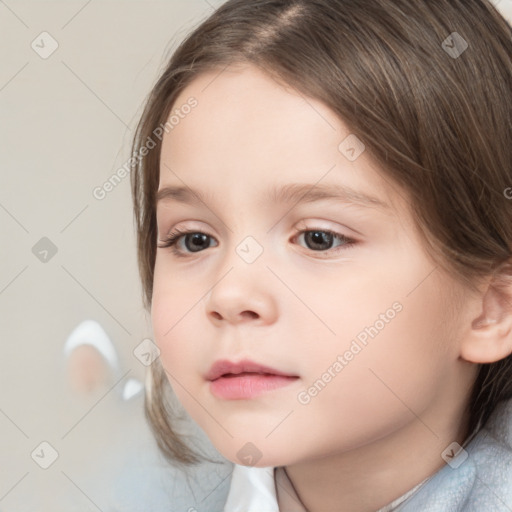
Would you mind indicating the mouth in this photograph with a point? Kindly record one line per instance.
(242, 374)
(223, 368)
(245, 380)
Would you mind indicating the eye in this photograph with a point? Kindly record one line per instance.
(318, 240)
(172, 239)
(321, 240)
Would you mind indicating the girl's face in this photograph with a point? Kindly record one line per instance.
(361, 321)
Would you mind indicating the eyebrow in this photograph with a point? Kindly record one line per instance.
(290, 193)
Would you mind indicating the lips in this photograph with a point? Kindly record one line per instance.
(245, 380)
(225, 368)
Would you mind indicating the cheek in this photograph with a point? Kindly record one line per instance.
(396, 335)
(343, 308)
(171, 320)
(401, 364)
(171, 312)
(389, 382)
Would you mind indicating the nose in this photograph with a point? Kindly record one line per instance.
(242, 296)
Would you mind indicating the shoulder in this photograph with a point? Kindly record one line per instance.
(479, 477)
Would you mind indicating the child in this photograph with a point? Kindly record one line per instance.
(344, 335)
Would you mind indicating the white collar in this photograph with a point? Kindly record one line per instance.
(252, 490)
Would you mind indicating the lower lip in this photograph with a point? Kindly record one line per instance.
(247, 385)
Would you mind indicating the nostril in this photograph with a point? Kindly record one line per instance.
(251, 314)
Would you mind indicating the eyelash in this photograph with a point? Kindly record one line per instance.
(172, 238)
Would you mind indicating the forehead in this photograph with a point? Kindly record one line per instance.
(249, 133)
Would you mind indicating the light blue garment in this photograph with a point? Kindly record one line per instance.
(483, 482)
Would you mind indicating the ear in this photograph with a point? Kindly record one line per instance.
(489, 338)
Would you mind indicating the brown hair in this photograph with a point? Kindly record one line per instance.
(434, 114)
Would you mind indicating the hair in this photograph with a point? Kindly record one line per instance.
(437, 124)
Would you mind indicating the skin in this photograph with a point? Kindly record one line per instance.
(380, 425)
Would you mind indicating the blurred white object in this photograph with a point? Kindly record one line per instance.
(131, 388)
(93, 370)
(90, 332)
(91, 360)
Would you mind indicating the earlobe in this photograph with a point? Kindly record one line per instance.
(489, 337)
